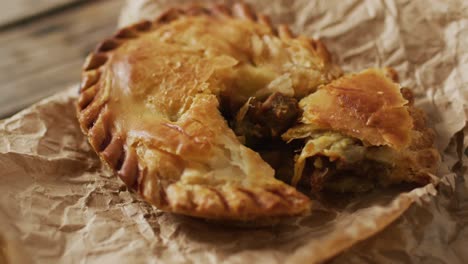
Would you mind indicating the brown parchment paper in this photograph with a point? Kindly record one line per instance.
(58, 205)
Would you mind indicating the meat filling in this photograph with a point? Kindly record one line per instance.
(259, 124)
(258, 121)
(332, 161)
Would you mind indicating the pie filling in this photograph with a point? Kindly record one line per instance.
(259, 124)
(336, 162)
(306, 155)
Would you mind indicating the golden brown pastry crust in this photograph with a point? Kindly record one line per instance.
(372, 107)
(367, 105)
(149, 103)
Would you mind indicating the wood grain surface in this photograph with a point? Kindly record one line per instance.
(12, 11)
(43, 55)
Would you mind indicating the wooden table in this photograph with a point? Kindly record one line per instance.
(43, 44)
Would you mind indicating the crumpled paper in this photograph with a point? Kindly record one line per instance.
(59, 205)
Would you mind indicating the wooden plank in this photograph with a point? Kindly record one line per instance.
(15, 10)
(44, 57)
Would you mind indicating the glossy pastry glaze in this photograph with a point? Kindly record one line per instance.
(367, 105)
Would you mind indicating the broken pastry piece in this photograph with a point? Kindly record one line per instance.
(362, 131)
(156, 100)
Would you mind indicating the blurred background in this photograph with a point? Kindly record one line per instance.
(43, 44)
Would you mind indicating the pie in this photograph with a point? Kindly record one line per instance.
(212, 112)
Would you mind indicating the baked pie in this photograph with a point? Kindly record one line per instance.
(215, 113)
